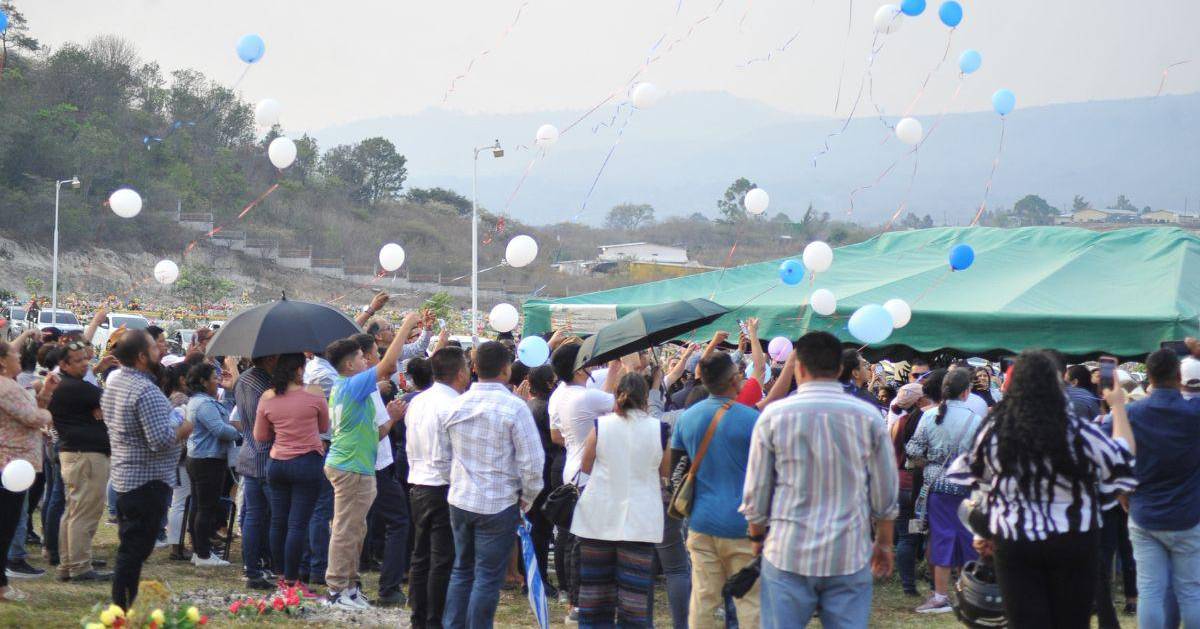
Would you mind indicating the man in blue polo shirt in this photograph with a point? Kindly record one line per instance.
(1164, 512)
(716, 531)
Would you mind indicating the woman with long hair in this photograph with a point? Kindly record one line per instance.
(618, 519)
(292, 417)
(208, 451)
(1046, 475)
(943, 434)
(542, 381)
(173, 382)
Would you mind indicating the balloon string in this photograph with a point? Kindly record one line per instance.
(987, 188)
(245, 210)
(1165, 72)
(737, 237)
(471, 64)
(603, 165)
(904, 200)
(925, 83)
(787, 43)
(837, 95)
(760, 294)
(375, 279)
(857, 99)
(520, 182)
(930, 288)
(741, 20)
(490, 268)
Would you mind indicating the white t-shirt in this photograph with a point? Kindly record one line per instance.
(598, 378)
(383, 457)
(573, 409)
(977, 405)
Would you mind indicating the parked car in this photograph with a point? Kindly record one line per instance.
(114, 321)
(64, 320)
(184, 338)
(16, 322)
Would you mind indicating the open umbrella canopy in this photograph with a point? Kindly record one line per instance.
(281, 327)
(645, 328)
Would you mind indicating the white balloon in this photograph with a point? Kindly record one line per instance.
(818, 257)
(267, 112)
(644, 95)
(756, 201)
(547, 135)
(18, 475)
(888, 19)
(900, 310)
(503, 318)
(521, 251)
(282, 152)
(391, 257)
(823, 302)
(125, 202)
(909, 131)
(166, 272)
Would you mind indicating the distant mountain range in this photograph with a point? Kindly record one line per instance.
(681, 155)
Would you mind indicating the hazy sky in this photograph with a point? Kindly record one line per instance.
(334, 62)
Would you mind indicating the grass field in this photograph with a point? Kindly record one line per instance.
(54, 604)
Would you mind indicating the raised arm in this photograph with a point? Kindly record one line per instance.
(377, 303)
(1121, 428)
(677, 370)
(756, 351)
(97, 319)
(718, 338)
(387, 366)
(779, 390)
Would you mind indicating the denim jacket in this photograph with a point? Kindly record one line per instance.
(212, 433)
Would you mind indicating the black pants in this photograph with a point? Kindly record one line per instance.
(1050, 583)
(390, 513)
(208, 481)
(1114, 538)
(10, 516)
(139, 516)
(433, 555)
(541, 530)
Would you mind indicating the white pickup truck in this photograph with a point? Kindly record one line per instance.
(115, 320)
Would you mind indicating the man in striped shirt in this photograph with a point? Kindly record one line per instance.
(821, 470)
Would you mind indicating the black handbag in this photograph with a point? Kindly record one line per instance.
(559, 506)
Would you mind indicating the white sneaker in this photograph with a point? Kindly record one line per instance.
(213, 561)
(347, 599)
(160, 544)
(936, 604)
(356, 597)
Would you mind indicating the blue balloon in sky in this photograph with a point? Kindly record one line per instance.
(962, 257)
(912, 8)
(250, 48)
(951, 13)
(871, 324)
(533, 351)
(791, 272)
(969, 61)
(3, 21)
(1004, 101)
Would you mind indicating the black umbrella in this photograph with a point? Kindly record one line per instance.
(281, 327)
(646, 327)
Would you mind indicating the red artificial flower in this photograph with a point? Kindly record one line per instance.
(293, 600)
(203, 620)
(153, 625)
(277, 604)
(118, 622)
(262, 607)
(233, 609)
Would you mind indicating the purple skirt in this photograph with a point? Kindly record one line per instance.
(949, 540)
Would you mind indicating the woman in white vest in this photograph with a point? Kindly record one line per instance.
(619, 516)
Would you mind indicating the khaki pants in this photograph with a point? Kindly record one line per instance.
(352, 498)
(85, 482)
(715, 559)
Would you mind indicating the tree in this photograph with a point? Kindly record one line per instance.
(372, 169)
(199, 286)
(440, 195)
(730, 206)
(629, 216)
(16, 35)
(1033, 210)
(781, 218)
(1123, 204)
(33, 284)
(441, 304)
(699, 217)
(1080, 204)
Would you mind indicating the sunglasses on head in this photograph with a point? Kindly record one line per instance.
(75, 346)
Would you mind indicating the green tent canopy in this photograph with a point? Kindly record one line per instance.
(1082, 292)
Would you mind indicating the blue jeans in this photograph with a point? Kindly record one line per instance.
(673, 556)
(789, 599)
(484, 544)
(316, 559)
(293, 485)
(1166, 559)
(112, 500)
(52, 509)
(256, 507)
(16, 550)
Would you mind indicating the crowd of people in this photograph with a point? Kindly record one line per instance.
(764, 492)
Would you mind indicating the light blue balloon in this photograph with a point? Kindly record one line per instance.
(533, 351)
(969, 61)
(791, 272)
(1004, 101)
(250, 48)
(951, 13)
(871, 324)
(3, 21)
(962, 257)
(912, 8)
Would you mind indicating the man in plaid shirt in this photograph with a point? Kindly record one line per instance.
(146, 446)
(495, 468)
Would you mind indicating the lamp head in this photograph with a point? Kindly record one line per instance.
(75, 183)
(496, 150)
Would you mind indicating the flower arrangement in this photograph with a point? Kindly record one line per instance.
(287, 602)
(174, 618)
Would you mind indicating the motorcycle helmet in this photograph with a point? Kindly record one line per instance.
(976, 597)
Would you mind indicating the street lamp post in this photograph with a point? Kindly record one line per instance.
(74, 181)
(496, 152)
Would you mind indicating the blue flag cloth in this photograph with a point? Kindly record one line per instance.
(533, 577)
